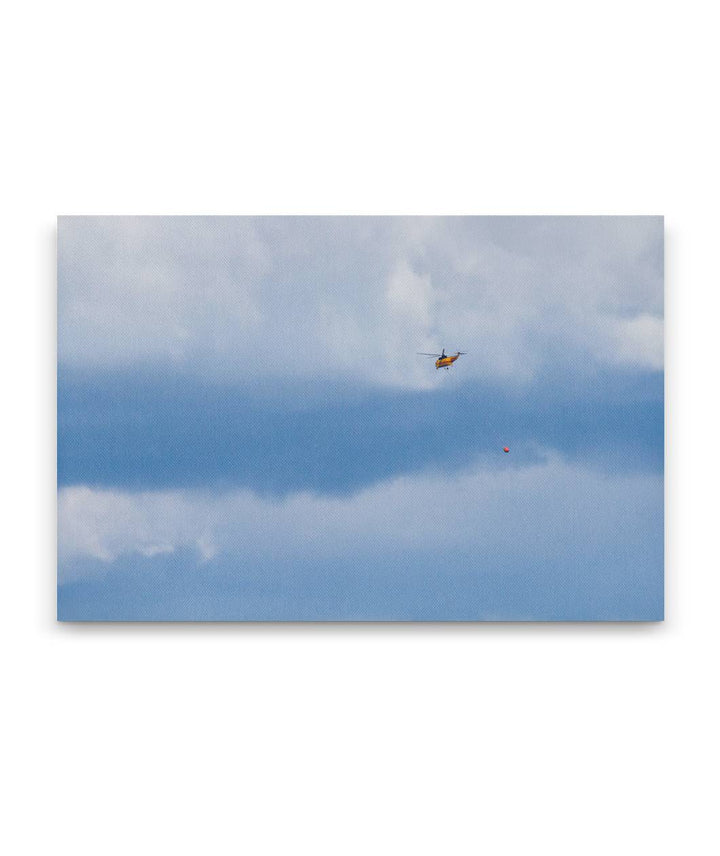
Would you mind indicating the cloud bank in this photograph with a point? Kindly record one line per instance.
(355, 298)
(530, 513)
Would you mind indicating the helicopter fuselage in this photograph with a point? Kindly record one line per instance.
(445, 362)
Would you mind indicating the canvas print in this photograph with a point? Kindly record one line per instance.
(360, 418)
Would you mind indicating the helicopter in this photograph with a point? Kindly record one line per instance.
(443, 361)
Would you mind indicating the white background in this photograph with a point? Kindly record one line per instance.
(359, 739)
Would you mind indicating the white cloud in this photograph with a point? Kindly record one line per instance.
(133, 290)
(533, 512)
(357, 297)
(636, 341)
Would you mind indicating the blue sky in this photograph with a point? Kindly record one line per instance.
(246, 431)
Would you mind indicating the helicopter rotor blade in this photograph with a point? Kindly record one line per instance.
(423, 354)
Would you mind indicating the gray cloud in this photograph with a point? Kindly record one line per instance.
(527, 515)
(356, 297)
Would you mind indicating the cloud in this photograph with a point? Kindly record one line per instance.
(636, 341)
(355, 298)
(547, 512)
(168, 290)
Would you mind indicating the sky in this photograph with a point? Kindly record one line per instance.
(246, 430)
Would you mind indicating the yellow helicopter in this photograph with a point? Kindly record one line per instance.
(443, 361)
